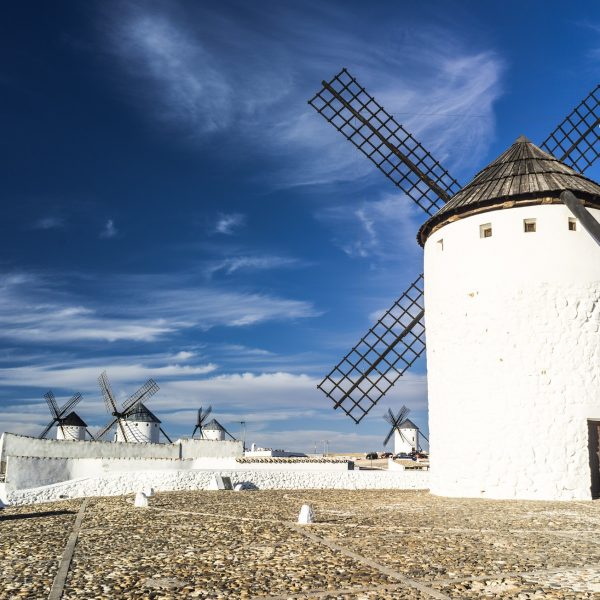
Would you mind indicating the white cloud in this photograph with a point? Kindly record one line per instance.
(202, 72)
(276, 406)
(228, 224)
(48, 315)
(109, 231)
(231, 265)
(384, 228)
(50, 222)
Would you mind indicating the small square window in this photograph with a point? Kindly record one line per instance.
(572, 224)
(485, 230)
(529, 225)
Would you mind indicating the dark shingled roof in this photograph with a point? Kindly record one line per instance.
(523, 174)
(140, 413)
(73, 419)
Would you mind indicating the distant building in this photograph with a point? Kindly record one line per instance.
(406, 438)
(71, 427)
(141, 425)
(213, 430)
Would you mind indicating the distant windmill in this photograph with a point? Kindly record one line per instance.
(201, 420)
(395, 422)
(69, 424)
(134, 421)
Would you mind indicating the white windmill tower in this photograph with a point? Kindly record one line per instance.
(512, 291)
(213, 430)
(403, 430)
(69, 425)
(135, 422)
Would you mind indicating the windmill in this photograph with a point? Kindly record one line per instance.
(135, 423)
(201, 420)
(508, 259)
(67, 422)
(397, 339)
(406, 433)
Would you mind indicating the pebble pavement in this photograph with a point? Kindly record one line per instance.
(365, 544)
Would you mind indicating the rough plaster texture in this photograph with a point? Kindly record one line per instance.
(513, 355)
(118, 484)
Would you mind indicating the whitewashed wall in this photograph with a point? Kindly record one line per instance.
(119, 484)
(19, 445)
(513, 355)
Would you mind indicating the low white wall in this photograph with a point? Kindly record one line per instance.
(210, 448)
(28, 472)
(31, 462)
(12, 444)
(21, 445)
(114, 484)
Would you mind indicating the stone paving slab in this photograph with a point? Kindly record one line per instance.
(382, 545)
(31, 544)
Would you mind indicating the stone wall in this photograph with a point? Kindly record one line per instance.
(513, 355)
(115, 484)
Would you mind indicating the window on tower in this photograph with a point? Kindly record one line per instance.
(485, 230)
(572, 224)
(529, 225)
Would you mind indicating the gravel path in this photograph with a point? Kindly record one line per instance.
(365, 545)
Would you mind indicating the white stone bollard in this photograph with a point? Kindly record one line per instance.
(141, 500)
(306, 516)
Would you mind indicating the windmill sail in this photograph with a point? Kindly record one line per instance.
(381, 357)
(575, 141)
(345, 104)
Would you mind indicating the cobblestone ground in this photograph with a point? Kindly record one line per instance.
(364, 545)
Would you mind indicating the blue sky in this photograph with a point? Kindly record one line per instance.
(173, 208)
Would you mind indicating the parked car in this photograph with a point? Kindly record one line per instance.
(386, 455)
(402, 455)
(372, 456)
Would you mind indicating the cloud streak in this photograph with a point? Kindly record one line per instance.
(201, 83)
(228, 224)
(48, 316)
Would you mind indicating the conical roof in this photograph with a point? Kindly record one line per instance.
(214, 425)
(140, 413)
(73, 420)
(407, 424)
(523, 174)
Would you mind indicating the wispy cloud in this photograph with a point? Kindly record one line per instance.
(109, 230)
(227, 224)
(383, 228)
(202, 83)
(50, 222)
(231, 265)
(50, 316)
